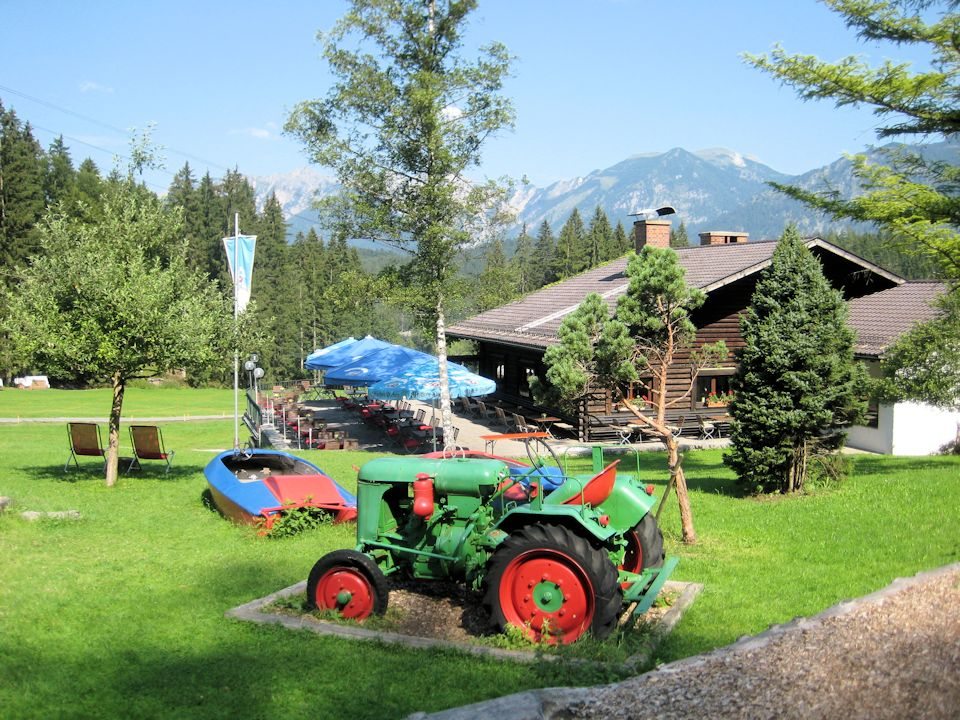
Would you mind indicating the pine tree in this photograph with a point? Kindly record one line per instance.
(60, 179)
(89, 188)
(621, 241)
(797, 384)
(571, 255)
(656, 310)
(211, 225)
(496, 284)
(21, 190)
(593, 352)
(543, 257)
(600, 242)
(678, 238)
(523, 263)
(276, 292)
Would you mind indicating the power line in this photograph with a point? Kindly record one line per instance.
(106, 125)
(311, 219)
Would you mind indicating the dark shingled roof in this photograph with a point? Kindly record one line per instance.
(533, 320)
(882, 317)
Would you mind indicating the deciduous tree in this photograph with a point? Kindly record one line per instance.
(405, 119)
(116, 300)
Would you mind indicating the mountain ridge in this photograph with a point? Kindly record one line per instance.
(712, 189)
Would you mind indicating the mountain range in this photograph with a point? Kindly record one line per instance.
(715, 189)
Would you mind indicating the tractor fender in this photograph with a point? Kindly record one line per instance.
(627, 504)
(570, 516)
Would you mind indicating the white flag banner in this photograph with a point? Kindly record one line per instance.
(241, 248)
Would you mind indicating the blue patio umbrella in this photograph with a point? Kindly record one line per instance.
(346, 354)
(373, 367)
(316, 355)
(421, 381)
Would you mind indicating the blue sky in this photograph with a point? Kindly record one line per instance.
(595, 81)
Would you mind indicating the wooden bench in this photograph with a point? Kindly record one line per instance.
(490, 441)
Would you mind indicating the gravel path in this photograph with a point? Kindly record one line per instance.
(892, 654)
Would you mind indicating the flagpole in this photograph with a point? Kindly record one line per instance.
(236, 314)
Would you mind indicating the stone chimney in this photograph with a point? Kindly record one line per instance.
(655, 233)
(723, 237)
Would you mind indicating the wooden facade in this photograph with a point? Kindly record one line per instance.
(511, 340)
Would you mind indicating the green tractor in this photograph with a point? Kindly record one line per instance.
(555, 563)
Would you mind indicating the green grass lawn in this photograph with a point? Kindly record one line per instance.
(120, 614)
(137, 402)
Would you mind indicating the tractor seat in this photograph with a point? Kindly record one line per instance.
(592, 492)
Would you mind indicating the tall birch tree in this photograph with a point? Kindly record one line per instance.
(404, 121)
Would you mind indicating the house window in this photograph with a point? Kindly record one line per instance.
(872, 418)
(639, 390)
(524, 389)
(713, 387)
(499, 371)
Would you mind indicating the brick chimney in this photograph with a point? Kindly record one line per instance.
(655, 233)
(723, 237)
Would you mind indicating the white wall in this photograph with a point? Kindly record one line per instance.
(907, 428)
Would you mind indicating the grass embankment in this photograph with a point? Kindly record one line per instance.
(120, 614)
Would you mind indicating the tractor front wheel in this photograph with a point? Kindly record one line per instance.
(348, 583)
(553, 585)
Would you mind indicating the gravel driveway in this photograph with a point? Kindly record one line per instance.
(892, 654)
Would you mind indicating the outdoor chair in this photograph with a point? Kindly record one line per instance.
(502, 418)
(465, 405)
(677, 430)
(84, 439)
(521, 424)
(147, 443)
(483, 412)
(707, 429)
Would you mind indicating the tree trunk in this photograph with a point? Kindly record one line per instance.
(113, 434)
(688, 533)
(797, 470)
(446, 414)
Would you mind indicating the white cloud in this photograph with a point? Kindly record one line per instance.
(90, 86)
(258, 133)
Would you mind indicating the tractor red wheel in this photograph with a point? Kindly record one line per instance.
(553, 585)
(348, 583)
(644, 546)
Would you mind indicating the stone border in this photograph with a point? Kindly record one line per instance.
(254, 611)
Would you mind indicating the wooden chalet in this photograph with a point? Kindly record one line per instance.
(511, 339)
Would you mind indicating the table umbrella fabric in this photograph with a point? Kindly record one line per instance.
(347, 354)
(373, 367)
(317, 355)
(421, 381)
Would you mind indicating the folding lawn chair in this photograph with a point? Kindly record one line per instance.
(147, 443)
(84, 439)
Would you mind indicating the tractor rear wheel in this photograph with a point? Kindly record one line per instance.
(348, 583)
(553, 585)
(644, 546)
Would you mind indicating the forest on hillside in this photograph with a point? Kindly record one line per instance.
(314, 290)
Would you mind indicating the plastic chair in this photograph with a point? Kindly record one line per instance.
(147, 443)
(84, 439)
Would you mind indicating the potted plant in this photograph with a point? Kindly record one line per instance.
(717, 399)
